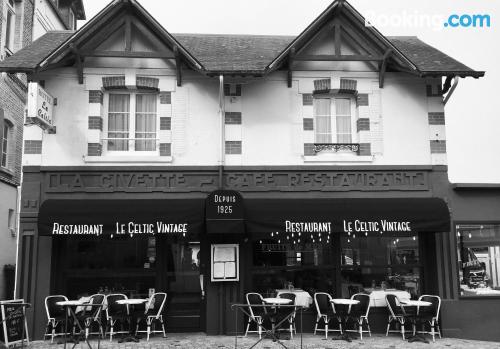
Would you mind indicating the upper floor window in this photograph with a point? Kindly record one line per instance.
(132, 122)
(72, 23)
(10, 27)
(5, 144)
(333, 119)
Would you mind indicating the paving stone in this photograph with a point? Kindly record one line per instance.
(202, 341)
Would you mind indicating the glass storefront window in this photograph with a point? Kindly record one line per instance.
(380, 263)
(307, 265)
(479, 259)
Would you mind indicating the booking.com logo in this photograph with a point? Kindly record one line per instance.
(434, 21)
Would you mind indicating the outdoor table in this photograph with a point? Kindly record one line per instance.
(273, 303)
(342, 312)
(413, 303)
(132, 337)
(302, 297)
(24, 305)
(68, 306)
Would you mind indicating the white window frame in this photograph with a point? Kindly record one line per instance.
(132, 130)
(6, 131)
(10, 9)
(333, 119)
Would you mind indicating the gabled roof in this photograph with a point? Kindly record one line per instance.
(29, 58)
(237, 54)
(234, 53)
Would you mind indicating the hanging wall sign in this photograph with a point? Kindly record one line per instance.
(40, 106)
(225, 212)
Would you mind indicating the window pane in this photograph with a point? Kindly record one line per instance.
(382, 262)
(5, 134)
(479, 259)
(118, 122)
(145, 122)
(322, 114)
(9, 30)
(343, 118)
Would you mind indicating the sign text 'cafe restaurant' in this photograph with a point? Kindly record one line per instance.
(174, 231)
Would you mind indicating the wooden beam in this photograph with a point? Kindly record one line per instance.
(383, 67)
(78, 62)
(358, 39)
(337, 39)
(129, 54)
(352, 58)
(291, 57)
(128, 34)
(178, 66)
(104, 34)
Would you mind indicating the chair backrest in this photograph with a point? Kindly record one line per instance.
(432, 310)
(95, 312)
(394, 305)
(114, 308)
(363, 307)
(323, 303)
(254, 299)
(290, 296)
(155, 304)
(51, 308)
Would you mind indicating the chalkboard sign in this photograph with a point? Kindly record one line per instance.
(13, 319)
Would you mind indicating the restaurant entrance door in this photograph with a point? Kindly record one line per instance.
(181, 280)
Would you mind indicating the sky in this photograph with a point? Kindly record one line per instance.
(472, 114)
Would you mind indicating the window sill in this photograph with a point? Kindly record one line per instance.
(338, 158)
(127, 159)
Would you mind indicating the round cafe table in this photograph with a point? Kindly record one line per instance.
(415, 304)
(272, 315)
(69, 306)
(132, 317)
(343, 311)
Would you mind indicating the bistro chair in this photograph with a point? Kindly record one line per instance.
(92, 315)
(325, 312)
(257, 314)
(397, 314)
(284, 312)
(116, 313)
(55, 316)
(152, 314)
(430, 315)
(359, 313)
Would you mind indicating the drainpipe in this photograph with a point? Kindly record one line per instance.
(455, 83)
(222, 130)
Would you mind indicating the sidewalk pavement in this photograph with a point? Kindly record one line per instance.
(202, 341)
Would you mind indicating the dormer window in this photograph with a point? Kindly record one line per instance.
(10, 27)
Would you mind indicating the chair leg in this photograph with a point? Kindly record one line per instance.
(316, 326)
(163, 327)
(53, 332)
(360, 327)
(403, 330)
(326, 327)
(248, 326)
(291, 330)
(433, 334)
(111, 331)
(388, 327)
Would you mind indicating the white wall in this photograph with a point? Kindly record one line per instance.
(8, 245)
(271, 119)
(45, 19)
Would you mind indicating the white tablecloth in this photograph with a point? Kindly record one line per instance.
(302, 297)
(377, 297)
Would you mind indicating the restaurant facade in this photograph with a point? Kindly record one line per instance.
(209, 166)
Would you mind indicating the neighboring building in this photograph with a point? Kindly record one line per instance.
(21, 22)
(330, 149)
